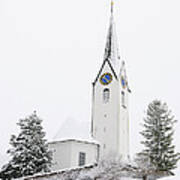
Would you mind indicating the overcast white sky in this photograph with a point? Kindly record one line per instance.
(51, 51)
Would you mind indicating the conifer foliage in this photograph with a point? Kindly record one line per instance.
(158, 136)
(29, 152)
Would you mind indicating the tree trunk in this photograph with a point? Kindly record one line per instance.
(144, 177)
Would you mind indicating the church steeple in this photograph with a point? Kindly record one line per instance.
(110, 111)
(111, 49)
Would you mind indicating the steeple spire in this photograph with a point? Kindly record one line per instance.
(112, 6)
(111, 49)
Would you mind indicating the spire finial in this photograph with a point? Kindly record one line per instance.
(112, 6)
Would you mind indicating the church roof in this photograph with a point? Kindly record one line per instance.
(112, 69)
(111, 49)
(74, 130)
(77, 140)
(61, 174)
(111, 54)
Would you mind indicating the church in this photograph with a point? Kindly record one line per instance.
(109, 131)
(109, 118)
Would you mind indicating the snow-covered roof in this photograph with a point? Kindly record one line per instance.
(61, 173)
(87, 141)
(111, 49)
(74, 130)
(111, 54)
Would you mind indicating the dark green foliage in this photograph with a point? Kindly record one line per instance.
(29, 152)
(158, 136)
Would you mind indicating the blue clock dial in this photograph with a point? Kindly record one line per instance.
(106, 78)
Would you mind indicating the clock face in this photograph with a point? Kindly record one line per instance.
(106, 78)
(123, 82)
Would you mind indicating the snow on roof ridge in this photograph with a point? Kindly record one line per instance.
(86, 140)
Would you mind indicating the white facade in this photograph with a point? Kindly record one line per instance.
(110, 120)
(66, 153)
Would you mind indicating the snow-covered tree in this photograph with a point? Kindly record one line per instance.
(158, 136)
(29, 152)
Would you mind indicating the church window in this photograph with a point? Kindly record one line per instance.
(123, 99)
(82, 158)
(106, 95)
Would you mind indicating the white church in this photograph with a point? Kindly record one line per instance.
(110, 114)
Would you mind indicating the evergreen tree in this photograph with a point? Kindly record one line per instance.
(158, 136)
(29, 152)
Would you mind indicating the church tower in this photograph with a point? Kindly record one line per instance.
(110, 111)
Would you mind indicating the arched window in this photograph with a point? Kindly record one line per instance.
(123, 99)
(106, 95)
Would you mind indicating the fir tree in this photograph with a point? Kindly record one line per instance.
(158, 136)
(29, 152)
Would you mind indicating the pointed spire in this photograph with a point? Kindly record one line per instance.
(112, 6)
(111, 49)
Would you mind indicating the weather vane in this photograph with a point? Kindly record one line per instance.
(112, 6)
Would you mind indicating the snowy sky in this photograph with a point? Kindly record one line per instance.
(51, 51)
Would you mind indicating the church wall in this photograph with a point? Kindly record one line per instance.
(124, 124)
(61, 155)
(91, 151)
(110, 121)
(66, 153)
(105, 115)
